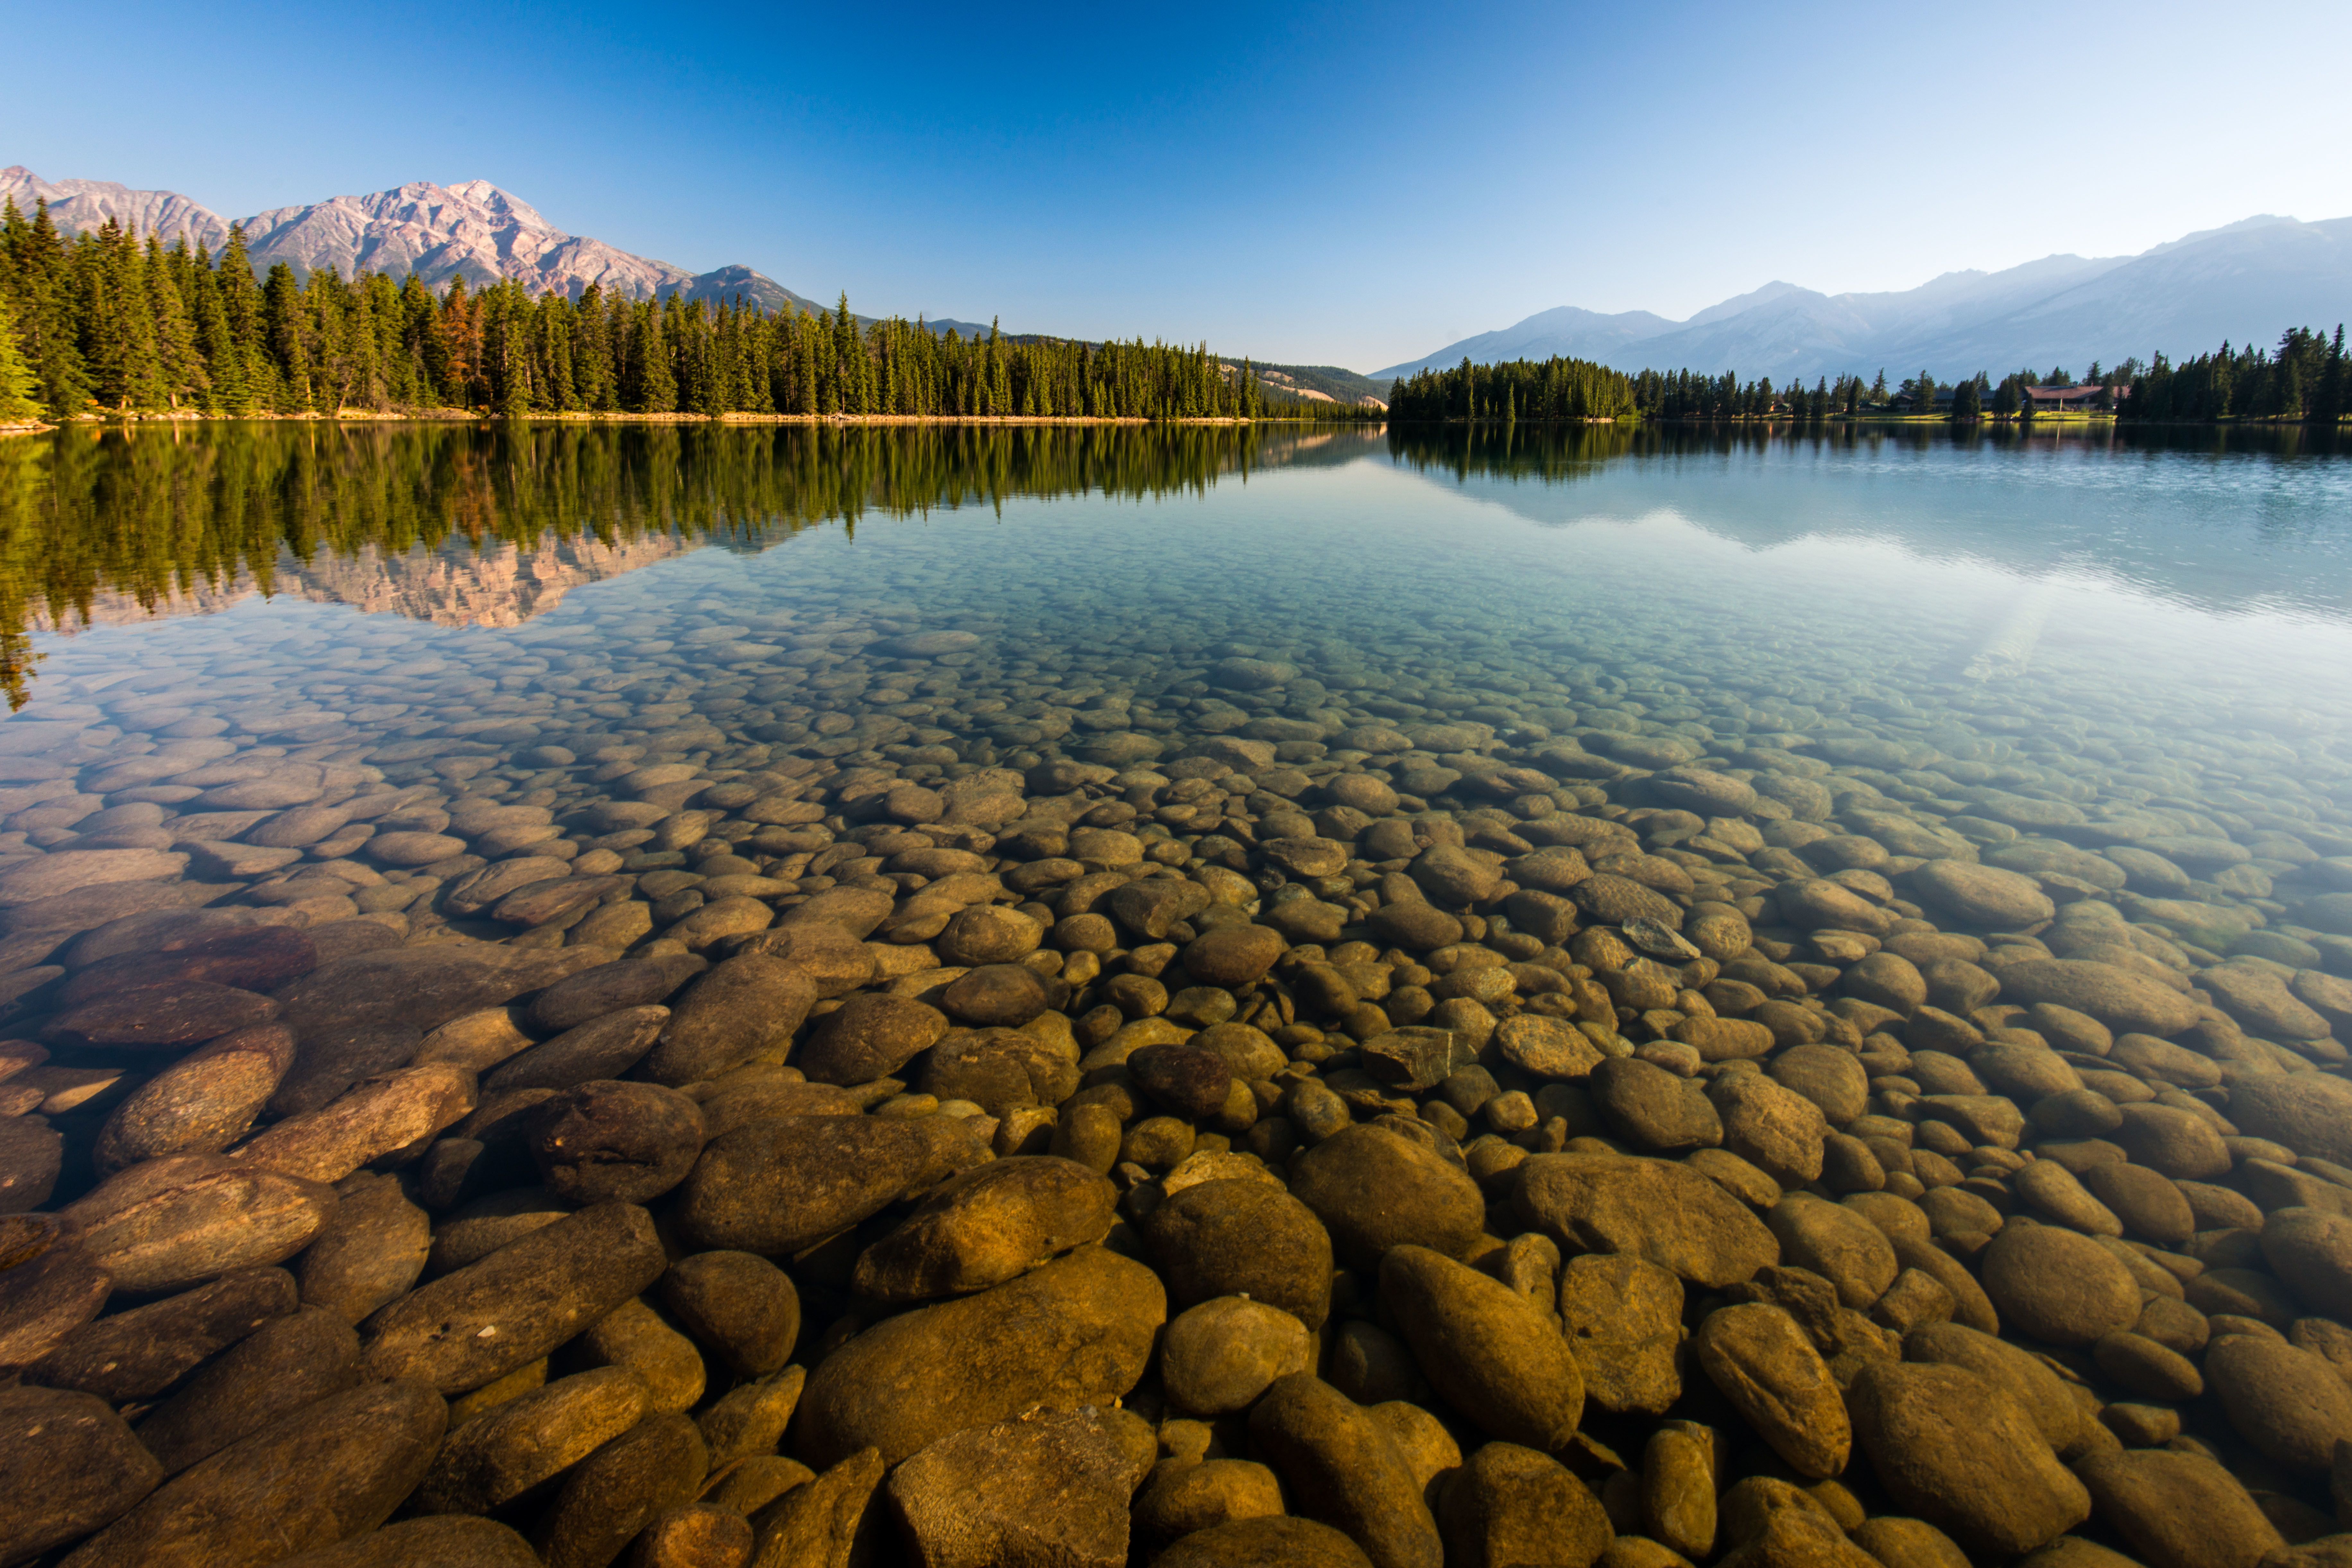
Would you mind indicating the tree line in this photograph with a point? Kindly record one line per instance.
(2308, 379)
(108, 321)
(1553, 389)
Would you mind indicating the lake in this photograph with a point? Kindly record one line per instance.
(506, 826)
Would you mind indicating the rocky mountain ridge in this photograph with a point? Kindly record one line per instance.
(473, 230)
(2247, 282)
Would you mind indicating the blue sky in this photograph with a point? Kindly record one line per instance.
(1331, 184)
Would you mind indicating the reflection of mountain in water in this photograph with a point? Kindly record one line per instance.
(2218, 518)
(456, 585)
(486, 526)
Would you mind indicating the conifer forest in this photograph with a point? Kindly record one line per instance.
(110, 322)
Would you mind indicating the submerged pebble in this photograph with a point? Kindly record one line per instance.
(769, 1067)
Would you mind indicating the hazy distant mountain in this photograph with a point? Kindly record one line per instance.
(2247, 283)
(473, 230)
(1564, 331)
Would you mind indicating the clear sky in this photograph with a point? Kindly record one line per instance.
(1353, 184)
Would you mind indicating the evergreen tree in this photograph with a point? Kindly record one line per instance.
(241, 304)
(47, 324)
(2328, 397)
(180, 362)
(19, 388)
(224, 358)
(283, 335)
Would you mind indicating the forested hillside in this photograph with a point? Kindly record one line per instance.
(109, 321)
(2307, 378)
(1522, 389)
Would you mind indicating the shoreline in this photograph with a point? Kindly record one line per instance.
(455, 415)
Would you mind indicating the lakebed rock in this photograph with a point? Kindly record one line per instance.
(993, 1067)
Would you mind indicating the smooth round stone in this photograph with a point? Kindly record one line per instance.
(928, 645)
(1219, 1356)
(2147, 1368)
(1484, 1347)
(2058, 1286)
(2025, 1377)
(1952, 1449)
(1237, 1238)
(2150, 1204)
(1252, 1542)
(1005, 995)
(413, 848)
(987, 1226)
(72, 1465)
(1233, 955)
(1360, 792)
(1250, 674)
(161, 1015)
(985, 934)
(2289, 1404)
(1187, 1080)
(1984, 896)
(871, 1035)
(1665, 1212)
(2312, 1251)
(1414, 926)
(612, 1141)
(2173, 1508)
(1376, 1189)
(1777, 1381)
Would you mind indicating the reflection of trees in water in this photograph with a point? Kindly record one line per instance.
(1553, 453)
(2220, 517)
(158, 514)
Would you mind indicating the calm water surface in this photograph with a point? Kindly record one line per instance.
(2118, 625)
(1902, 649)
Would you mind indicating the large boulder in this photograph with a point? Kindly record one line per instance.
(72, 1467)
(785, 1183)
(1958, 1452)
(984, 1226)
(481, 1322)
(1046, 1488)
(329, 1472)
(1076, 1332)
(1484, 1347)
(2114, 996)
(1341, 1466)
(1241, 1237)
(1375, 1189)
(1654, 1209)
(1765, 1366)
(2310, 1113)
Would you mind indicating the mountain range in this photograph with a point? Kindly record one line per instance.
(480, 232)
(2247, 283)
(473, 230)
